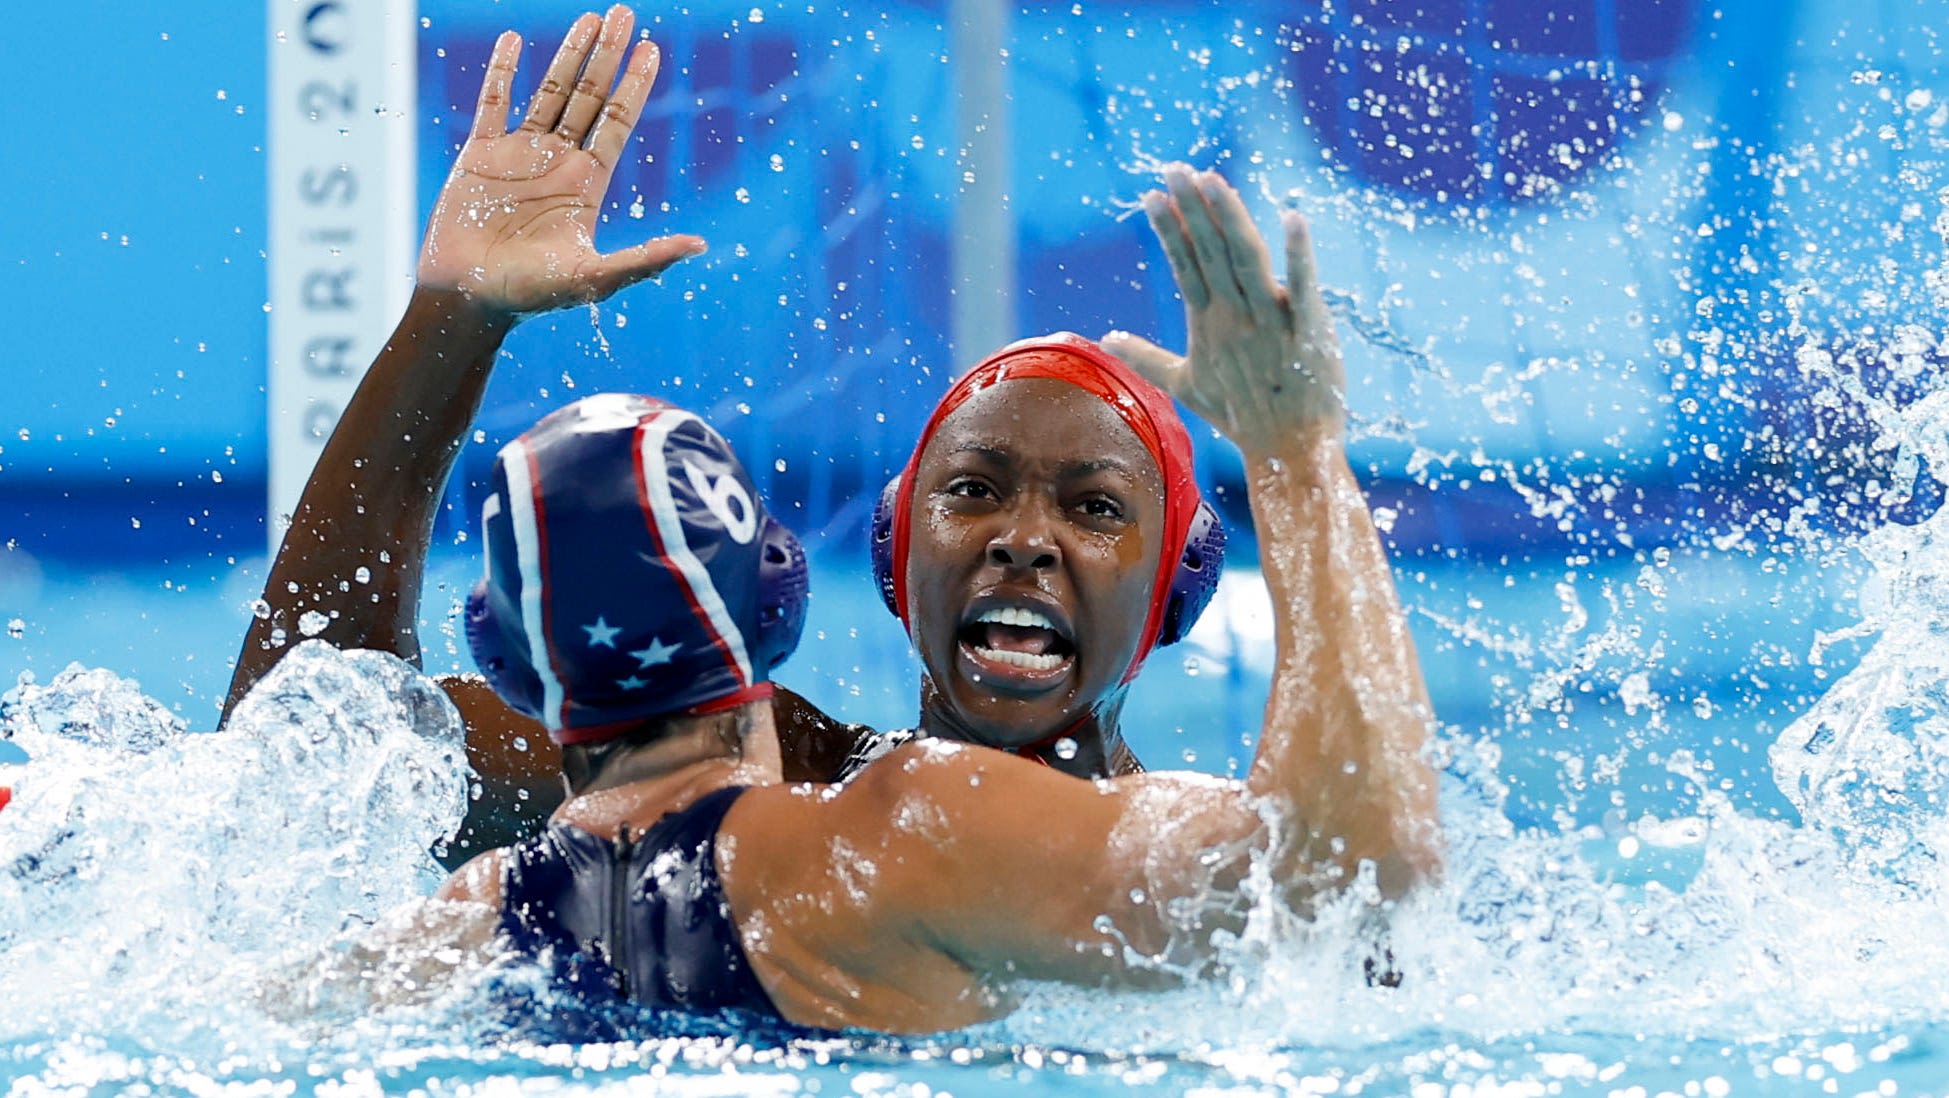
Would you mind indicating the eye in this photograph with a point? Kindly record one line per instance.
(1103, 507)
(969, 488)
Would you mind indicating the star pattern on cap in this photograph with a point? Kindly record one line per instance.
(601, 634)
(658, 652)
(632, 683)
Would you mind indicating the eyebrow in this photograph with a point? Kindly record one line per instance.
(1001, 455)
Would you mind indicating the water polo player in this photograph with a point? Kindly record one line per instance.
(637, 615)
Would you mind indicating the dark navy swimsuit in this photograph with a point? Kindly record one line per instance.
(644, 920)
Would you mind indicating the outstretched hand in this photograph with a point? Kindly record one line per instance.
(1262, 364)
(514, 226)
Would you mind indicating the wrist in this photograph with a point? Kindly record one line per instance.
(460, 313)
(1308, 447)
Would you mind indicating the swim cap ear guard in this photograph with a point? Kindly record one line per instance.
(632, 571)
(784, 588)
(1192, 584)
(508, 672)
(1196, 578)
(882, 545)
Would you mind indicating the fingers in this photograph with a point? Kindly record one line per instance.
(1313, 322)
(618, 116)
(593, 87)
(1302, 270)
(1214, 259)
(646, 260)
(545, 109)
(491, 113)
(1251, 263)
(1169, 227)
(1152, 363)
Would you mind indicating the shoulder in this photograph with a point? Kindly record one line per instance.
(930, 820)
(479, 880)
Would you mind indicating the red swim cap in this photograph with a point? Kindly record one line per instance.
(1148, 410)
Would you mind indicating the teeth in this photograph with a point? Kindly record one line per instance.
(1015, 615)
(1021, 659)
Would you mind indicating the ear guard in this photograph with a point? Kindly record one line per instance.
(1192, 584)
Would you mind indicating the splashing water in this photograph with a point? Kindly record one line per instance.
(150, 879)
(161, 889)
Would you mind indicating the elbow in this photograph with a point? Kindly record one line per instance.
(1406, 869)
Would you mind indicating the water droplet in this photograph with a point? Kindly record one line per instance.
(1065, 748)
(313, 623)
(362, 574)
(16, 628)
(260, 610)
(1192, 666)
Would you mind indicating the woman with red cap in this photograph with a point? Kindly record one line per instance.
(1044, 537)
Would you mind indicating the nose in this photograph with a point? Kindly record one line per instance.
(1027, 542)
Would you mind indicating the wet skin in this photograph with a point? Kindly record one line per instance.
(1032, 496)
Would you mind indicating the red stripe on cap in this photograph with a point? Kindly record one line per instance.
(697, 612)
(1148, 410)
(5, 796)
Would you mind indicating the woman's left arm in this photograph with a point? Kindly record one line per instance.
(1348, 716)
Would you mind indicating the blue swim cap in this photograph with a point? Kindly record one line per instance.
(632, 572)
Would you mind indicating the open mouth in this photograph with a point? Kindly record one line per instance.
(1017, 637)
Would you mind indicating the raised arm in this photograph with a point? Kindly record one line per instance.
(1347, 719)
(996, 870)
(512, 234)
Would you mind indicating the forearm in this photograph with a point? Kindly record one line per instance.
(355, 552)
(1348, 715)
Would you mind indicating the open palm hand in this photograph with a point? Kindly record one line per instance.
(514, 225)
(1262, 361)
